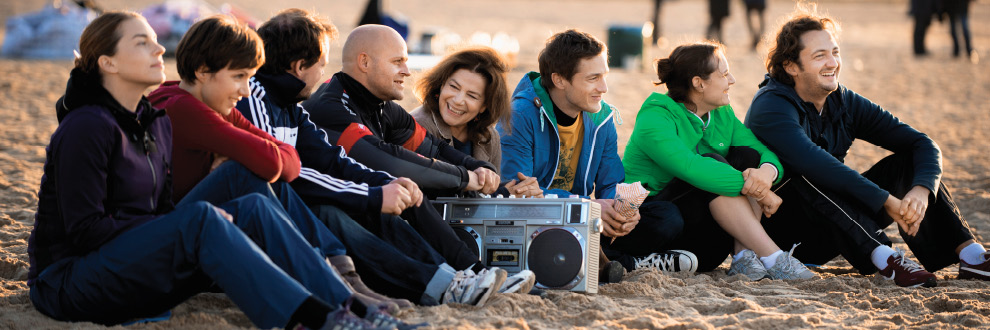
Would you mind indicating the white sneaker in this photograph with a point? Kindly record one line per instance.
(474, 289)
(521, 282)
(669, 261)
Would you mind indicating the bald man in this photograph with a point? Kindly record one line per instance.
(356, 107)
(357, 104)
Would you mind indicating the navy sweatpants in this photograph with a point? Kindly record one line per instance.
(260, 261)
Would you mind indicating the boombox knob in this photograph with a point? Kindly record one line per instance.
(598, 226)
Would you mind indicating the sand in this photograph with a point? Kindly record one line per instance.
(945, 97)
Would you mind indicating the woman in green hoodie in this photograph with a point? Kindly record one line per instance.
(689, 148)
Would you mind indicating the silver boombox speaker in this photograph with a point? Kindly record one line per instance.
(556, 238)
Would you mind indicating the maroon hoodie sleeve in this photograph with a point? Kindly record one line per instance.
(197, 126)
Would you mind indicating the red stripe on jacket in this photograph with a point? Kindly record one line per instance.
(351, 135)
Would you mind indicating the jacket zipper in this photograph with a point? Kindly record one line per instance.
(557, 163)
(594, 138)
(151, 166)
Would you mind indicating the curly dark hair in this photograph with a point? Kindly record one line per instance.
(787, 46)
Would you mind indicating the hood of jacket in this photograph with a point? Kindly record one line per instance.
(283, 88)
(833, 102)
(531, 89)
(83, 89)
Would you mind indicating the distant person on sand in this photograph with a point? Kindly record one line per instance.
(754, 10)
(958, 11)
(463, 97)
(657, 31)
(810, 121)
(357, 108)
(922, 11)
(563, 133)
(718, 10)
(341, 191)
(688, 148)
(109, 247)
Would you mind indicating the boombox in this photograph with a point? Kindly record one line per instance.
(555, 238)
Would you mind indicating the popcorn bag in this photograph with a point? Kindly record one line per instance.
(628, 198)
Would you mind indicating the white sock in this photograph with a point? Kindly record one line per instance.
(771, 259)
(739, 255)
(972, 254)
(880, 255)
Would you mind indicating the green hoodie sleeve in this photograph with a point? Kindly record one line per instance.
(742, 136)
(669, 142)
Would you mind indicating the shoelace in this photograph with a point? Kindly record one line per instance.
(750, 263)
(908, 264)
(664, 261)
(792, 263)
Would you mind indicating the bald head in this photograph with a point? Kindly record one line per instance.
(375, 56)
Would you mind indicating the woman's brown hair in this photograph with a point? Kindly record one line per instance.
(100, 38)
(684, 63)
(481, 60)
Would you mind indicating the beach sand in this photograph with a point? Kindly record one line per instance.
(947, 98)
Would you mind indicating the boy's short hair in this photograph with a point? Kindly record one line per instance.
(564, 51)
(294, 34)
(215, 43)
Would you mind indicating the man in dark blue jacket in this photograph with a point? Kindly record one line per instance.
(809, 120)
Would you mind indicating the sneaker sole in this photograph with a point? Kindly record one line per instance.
(929, 283)
(968, 273)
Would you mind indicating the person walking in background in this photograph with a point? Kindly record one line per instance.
(958, 11)
(922, 11)
(657, 32)
(755, 9)
(718, 10)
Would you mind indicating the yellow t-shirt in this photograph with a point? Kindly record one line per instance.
(571, 138)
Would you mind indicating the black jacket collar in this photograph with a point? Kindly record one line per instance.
(834, 109)
(359, 94)
(83, 89)
(283, 87)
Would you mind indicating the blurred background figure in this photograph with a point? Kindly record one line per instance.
(756, 7)
(718, 10)
(657, 5)
(958, 11)
(922, 10)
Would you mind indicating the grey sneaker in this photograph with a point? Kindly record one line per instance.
(789, 268)
(749, 265)
(474, 289)
(669, 261)
(521, 282)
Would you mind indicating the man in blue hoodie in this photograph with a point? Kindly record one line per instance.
(809, 120)
(563, 133)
